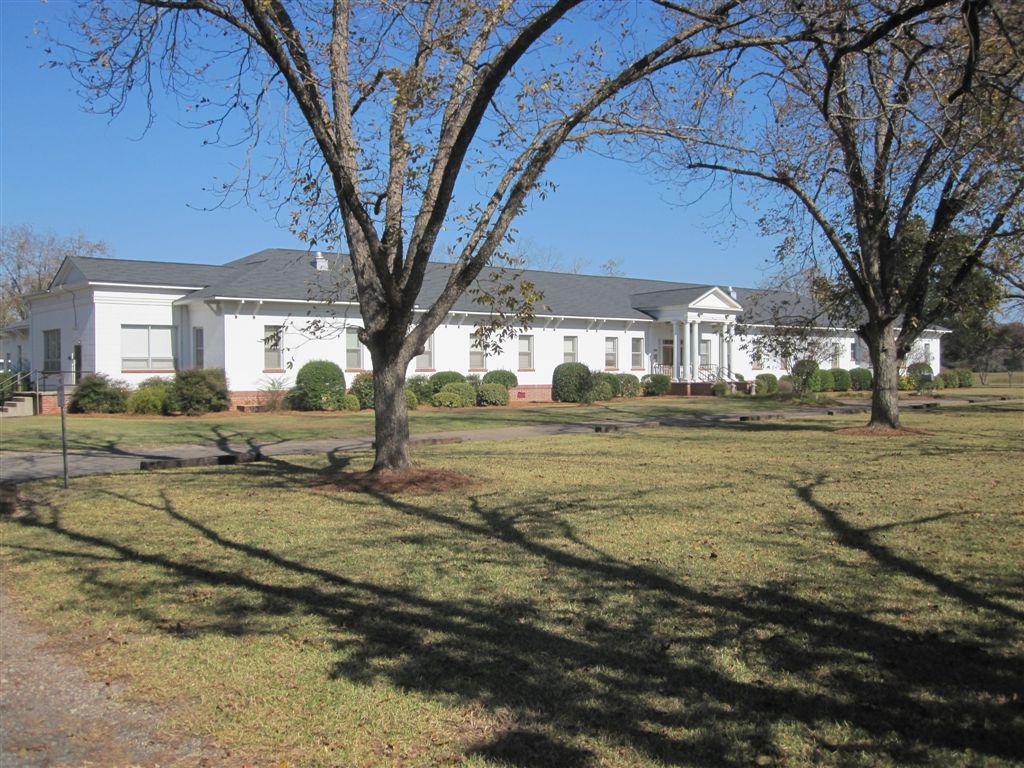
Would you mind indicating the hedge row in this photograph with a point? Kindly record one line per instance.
(575, 383)
(192, 392)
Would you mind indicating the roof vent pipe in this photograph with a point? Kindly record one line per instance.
(320, 262)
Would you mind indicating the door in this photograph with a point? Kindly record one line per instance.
(76, 362)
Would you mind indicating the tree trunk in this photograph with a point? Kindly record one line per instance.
(885, 391)
(390, 417)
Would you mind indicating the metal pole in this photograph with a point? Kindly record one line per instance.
(63, 429)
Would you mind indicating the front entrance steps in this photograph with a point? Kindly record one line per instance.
(18, 405)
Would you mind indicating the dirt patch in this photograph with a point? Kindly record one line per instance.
(883, 432)
(413, 481)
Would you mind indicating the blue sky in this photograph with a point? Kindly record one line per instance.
(64, 171)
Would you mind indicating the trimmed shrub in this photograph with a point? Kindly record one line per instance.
(319, 386)
(840, 380)
(507, 379)
(153, 397)
(906, 385)
(569, 381)
(766, 383)
(362, 388)
(860, 379)
(919, 374)
(463, 392)
(7, 379)
(611, 379)
(655, 384)
(421, 386)
(441, 378)
(938, 383)
(965, 377)
(348, 403)
(719, 389)
(99, 394)
(599, 390)
(820, 380)
(786, 385)
(457, 394)
(951, 379)
(738, 377)
(474, 381)
(802, 372)
(199, 391)
(629, 385)
(492, 393)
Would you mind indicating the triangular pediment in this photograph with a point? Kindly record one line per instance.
(716, 300)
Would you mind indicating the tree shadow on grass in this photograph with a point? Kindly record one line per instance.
(601, 650)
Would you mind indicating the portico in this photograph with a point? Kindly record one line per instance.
(694, 334)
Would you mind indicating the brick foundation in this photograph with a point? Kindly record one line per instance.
(245, 397)
(530, 393)
(47, 403)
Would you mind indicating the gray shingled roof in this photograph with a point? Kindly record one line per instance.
(145, 272)
(291, 274)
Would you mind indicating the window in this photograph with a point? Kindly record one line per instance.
(526, 353)
(569, 349)
(273, 359)
(853, 351)
(425, 362)
(835, 356)
(51, 350)
(198, 348)
(637, 352)
(928, 353)
(148, 348)
(668, 357)
(353, 349)
(477, 356)
(611, 352)
(705, 351)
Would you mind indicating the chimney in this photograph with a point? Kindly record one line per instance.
(320, 262)
(731, 291)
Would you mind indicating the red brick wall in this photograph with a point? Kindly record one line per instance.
(48, 403)
(530, 393)
(242, 397)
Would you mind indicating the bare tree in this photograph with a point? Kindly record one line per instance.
(871, 126)
(380, 107)
(28, 262)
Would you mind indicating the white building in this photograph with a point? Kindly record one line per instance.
(260, 318)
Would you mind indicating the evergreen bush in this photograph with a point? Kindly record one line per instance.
(766, 384)
(610, 378)
(599, 390)
(362, 388)
(99, 393)
(820, 380)
(319, 386)
(802, 372)
(786, 385)
(920, 375)
(840, 380)
(507, 379)
(198, 391)
(655, 384)
(348, 402)
(629, 385)
(421, 386)
(951, 379)
(153, 397)
(860, 379)
(458, 394)
(441, 378)
(569, 381)
(965, 377)
(719, 389)
(492, 393)
(412, 400)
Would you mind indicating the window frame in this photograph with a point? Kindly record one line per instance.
(612, 354)
(273, 344)
(48, 344)
(477, 351)
(425, 361)
(198, 347)
(353, 352)
(704, 351)
(574, 355)
(529, 351)
(636, 357)
(148, 366)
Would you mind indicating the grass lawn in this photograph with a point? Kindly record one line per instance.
(102, 432)
(113, 433)
(743, 594)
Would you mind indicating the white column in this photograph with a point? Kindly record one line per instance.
(721, 347)
(684, 352)
(675, 350)
(695, 349)
(728, 344)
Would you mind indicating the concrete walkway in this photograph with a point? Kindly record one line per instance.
(22, 466)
